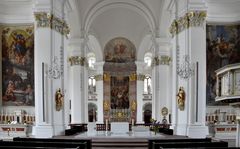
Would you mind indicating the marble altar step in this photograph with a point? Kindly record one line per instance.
(120, 143)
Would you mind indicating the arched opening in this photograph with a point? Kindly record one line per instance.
(120, 80)
(147, 113)
(92, 112)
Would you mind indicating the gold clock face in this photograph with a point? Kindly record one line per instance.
(164, 111)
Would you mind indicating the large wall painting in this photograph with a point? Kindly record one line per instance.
(223, 48)
(119, 50)
(119, 92)
(18, 65)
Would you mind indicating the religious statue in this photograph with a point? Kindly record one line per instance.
(181, 98)
(59, 100)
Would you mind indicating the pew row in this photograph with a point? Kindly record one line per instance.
(184, 143)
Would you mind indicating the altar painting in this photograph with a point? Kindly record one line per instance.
(223, 48)
(119, 92)
(18, 65)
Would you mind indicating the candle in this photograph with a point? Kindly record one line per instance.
(132, 122)
(106, 124)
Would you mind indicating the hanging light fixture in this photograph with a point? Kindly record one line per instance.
(184, 70)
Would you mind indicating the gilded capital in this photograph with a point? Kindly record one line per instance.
(190, 19)
(98, 77)
(132, 77)
(77, 60)
(165, 60)
(140, 77)
(45, 19)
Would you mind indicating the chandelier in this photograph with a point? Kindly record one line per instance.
(186, 69)
(56, 71)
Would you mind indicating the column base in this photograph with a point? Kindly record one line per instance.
(197, 131)
(43, 131)
(180, 129)
(59, 130)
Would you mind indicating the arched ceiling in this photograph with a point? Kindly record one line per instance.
(119, 22)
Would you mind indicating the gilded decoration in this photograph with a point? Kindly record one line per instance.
(106, 105)
(140, 77)
(59, 99)
(133, 77)
(190, 19)
(156, 61)
(44, 19)
(98, 77)
(165, 60)
(133, 106)
(181, 98)
(106, 77)
(77, 60)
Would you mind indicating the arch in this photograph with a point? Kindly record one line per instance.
(95, 47)
(134, 5)
(146, 46)
(92, 112)
(147, 112)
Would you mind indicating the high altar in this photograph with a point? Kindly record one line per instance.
(119, 81)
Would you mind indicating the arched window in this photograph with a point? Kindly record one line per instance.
(91, 85)
(147, 85)
(91, 60)
(148, 58)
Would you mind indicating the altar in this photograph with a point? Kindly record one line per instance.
(14, 130)
(119, 127)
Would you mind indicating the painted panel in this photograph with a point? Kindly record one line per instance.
(18, 65)
(223, 48)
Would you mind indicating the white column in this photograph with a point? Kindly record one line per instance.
(191, 41)
(76, 81)
(48, 43)
(99, 91)
(164, 75)
(140, 90)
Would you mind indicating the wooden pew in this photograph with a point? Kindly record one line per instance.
(164, 145)
(23, 144)
(88, 141)
(30, 147)
(151, 141)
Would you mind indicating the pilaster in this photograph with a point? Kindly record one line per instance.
(99, 90)
(50, 31)
(189, 32)
(140, 90)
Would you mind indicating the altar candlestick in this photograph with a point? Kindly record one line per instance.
(106, 124)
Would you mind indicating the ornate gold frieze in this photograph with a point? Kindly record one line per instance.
(77, 60)
(44, 19)
(133, 77)
(140, 77)
(98, 77)
(190, 19)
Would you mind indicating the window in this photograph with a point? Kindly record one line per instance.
(91, 60)
(91, 85)
(148, 59)
(147, 85)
